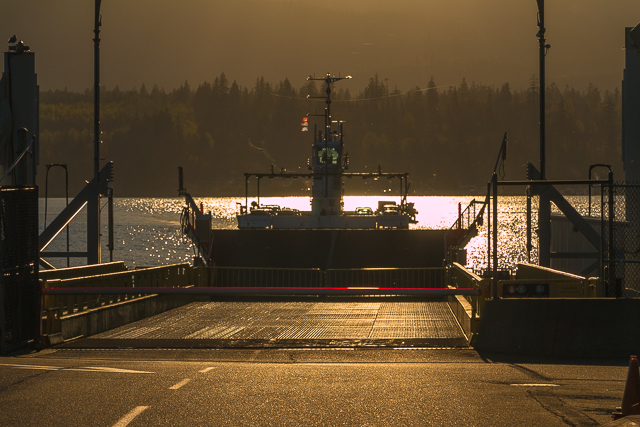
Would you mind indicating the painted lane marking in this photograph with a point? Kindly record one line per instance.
(124, 421)
(535, 385)
(83, 369)
(205, 370)
(115, 370)
(180, 384)
(45, 368)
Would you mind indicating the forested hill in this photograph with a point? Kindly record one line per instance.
(447, 138)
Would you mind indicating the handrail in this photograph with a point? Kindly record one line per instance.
(466, 213)
(264, 277)
(196, 225)
(314, 277)
(550, 288)
(459, 230)
(428, 277)
(83, 271)
(175, 275)
(439, 292)
(72, 294)
(460, 277)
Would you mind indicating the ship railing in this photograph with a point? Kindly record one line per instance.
(196, 225)
(257, 277)
(82, 294)
(386, 277)
(466, 225)
(315, 277)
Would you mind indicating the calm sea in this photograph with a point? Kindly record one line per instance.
(147, 231)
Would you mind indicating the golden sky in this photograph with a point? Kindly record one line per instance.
(407, 41)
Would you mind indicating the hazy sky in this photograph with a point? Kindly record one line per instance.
(167, 42)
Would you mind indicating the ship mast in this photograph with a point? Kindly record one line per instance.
(329, 80)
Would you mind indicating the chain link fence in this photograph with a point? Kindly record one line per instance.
(19, 262)
(621, 240)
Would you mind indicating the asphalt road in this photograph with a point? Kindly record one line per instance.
(281, 387)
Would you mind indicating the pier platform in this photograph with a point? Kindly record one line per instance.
(318, 322)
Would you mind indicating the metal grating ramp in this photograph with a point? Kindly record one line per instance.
(286, 324)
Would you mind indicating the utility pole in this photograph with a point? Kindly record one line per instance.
(96, 91)
(543, 52)
(94, 243)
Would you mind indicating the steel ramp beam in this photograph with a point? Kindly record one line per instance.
(429, 292)
(75, 206)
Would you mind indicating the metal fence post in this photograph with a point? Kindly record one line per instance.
(494, 180)
(603, 268)
(3, 332)
(612, 271)
(489, 187)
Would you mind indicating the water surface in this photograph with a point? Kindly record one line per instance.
(147, 230)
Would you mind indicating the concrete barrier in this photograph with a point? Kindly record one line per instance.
(586, 327)
(105, 318)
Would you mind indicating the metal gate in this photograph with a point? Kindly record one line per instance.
(19, 298)
(621, 240)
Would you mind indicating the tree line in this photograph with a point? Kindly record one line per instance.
(447, 138)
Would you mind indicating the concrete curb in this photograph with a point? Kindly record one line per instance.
(589, 327)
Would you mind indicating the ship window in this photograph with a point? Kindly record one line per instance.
(332, 157)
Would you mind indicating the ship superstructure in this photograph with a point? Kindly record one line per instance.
(327, 169)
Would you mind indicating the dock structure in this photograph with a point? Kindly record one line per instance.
(237, 307)
(220, 307)
(362, 322)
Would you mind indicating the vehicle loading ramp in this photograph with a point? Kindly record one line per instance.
(326, 322)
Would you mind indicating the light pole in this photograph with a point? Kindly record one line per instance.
(96, 92)
(543, 52)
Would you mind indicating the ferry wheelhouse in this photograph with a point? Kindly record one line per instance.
(328, 167)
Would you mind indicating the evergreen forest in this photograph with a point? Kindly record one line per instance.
(447, 138)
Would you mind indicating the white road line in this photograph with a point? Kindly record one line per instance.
(180, 384)
(83, 369)
(124, 421)
(117, 370)
(535, 385)
(205, 370)
(50, 368)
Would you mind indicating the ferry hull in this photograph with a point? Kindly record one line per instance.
(324, 249)
(323, 221)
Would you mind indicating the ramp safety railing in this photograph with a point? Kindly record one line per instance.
(83, 271)
(466, 225)
(258, 277)
(68, 296)
(459, 277)
(386, 277)
(74, 296)
(532, 281)
(316, 278)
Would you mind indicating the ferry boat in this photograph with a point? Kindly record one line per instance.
(328, 167)
(325, 237)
